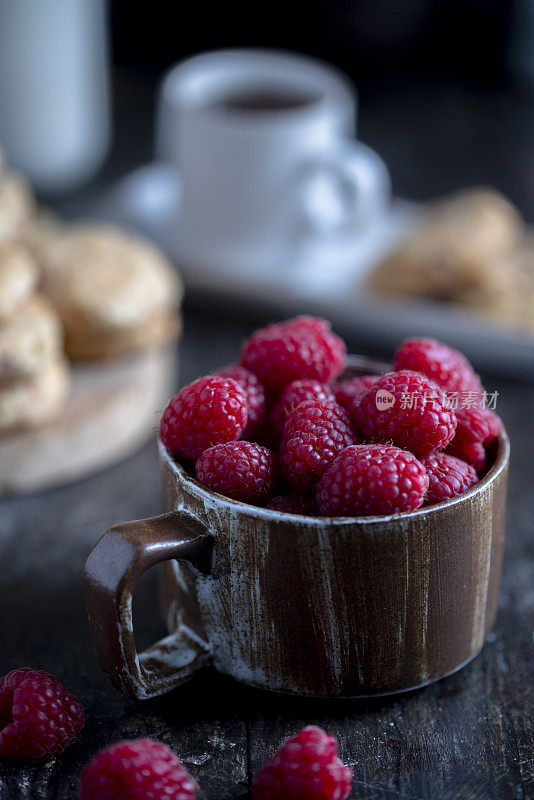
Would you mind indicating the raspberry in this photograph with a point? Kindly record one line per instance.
(306, 767)
(371, 479)
(38, 716)
(477, 428)
(304, 504)
(446, 366)
(349, 392)
(314, 434)
(304, 322)
(242, 470)
(448, 476)
(406, 409)
(256, 401)
(207, 412)
(301, 348)
(136, 770)
(295, 392)
(472, 453)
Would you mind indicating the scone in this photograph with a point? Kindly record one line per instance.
(108, 286)
(455, 248)
(29, 340)
(509, 300)
(40, 233)
(16, 205)
(35, 400)
(18, 278)
(157, 332)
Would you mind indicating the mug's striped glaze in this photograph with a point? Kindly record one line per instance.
(339, 607)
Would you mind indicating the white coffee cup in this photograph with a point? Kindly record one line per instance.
(263, 147)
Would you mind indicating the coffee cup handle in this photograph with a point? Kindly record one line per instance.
(122, 555)
(342, 191)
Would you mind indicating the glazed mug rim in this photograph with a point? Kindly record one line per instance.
(258, 512)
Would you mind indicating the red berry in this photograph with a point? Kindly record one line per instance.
(372, 479)
(448, 476)
(136, 770)
(305, 322)
(304, 504)
(446, 366)
(256, 402)
(406, 409)
(207, 412)
(349, 392)
(296, 349)
(295, 393)
(306, 767)
(314, 434)
(38, 716)
(477, 428)
(242, 470)
(472, 453)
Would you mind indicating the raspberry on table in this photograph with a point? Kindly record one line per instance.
(306, 767)
(136, 770)
(314, 434)
(303, 504)
(245, 471)
(477, 428)
(408, 410)
(38, 716)
(256, 400)
(209, 411)
(295, 393)
(446, 366)
(300, 348)
(372, 479)
(448, 476)
(350, 391)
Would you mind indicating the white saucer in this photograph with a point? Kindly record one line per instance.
(149, 201)
(327, 280)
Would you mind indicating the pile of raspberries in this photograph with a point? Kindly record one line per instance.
(285, 430)
(40, 717)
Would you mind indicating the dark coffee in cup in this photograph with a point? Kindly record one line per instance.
(265, 99)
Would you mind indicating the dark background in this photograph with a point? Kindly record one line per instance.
(467, 39)
(446, 87)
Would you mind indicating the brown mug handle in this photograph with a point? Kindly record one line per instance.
(122, 555)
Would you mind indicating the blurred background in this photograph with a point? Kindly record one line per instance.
(445, 85)
(445, 96)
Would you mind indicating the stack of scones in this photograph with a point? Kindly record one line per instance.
(69, 292)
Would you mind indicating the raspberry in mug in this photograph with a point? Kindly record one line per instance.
(281, 418)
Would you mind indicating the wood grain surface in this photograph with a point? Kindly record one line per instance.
(111, 411)
(468, 737)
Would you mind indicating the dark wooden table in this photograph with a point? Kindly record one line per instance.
(469, 736)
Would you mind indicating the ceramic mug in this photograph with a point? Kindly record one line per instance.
(262, 146)
(323, 607)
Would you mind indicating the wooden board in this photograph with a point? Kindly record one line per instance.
(113, 408)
